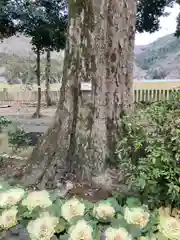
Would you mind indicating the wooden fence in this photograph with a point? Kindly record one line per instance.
(143, 92)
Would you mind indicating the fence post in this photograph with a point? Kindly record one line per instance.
(5, 93)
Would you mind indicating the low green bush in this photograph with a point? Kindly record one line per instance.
(149, 151)
(44, 216)
(17, 137)
(4, 122)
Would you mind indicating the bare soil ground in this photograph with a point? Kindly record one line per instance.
(22, 115)
(11, 168)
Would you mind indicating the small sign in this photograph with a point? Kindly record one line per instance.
(86, 86)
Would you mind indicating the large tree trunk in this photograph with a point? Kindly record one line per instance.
(37, 113)
(47, 76)
(100, 50)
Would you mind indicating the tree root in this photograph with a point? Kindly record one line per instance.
(49, 154)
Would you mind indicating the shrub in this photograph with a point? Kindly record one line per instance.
(149, 150)
(17, 137)
(4, 122)
(42, 215)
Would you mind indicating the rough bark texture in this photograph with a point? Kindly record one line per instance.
(99, 49)
(47, 76)
(38, 75)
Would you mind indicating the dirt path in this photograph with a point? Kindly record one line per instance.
(21, 114)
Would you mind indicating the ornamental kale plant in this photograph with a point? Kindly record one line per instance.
(45, 216)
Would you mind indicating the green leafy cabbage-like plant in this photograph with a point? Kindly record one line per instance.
(44, 216)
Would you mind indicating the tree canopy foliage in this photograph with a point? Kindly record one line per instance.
(177, 33)
(149, 12)
(7, 27)
(46, 20)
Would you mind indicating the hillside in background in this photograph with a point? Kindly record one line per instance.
(18, 62)
(160, 59)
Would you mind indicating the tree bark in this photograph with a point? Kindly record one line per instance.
(99, 50)
(47, 76)
(37, 113)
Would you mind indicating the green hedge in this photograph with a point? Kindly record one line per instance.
(149, 151)
(46, 216)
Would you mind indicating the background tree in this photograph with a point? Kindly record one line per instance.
(149, 13)
(57, 15)
(177, 32)
(31, 22)
(41, 20)
(7, 26)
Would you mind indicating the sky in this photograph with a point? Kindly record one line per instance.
(168, 25)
